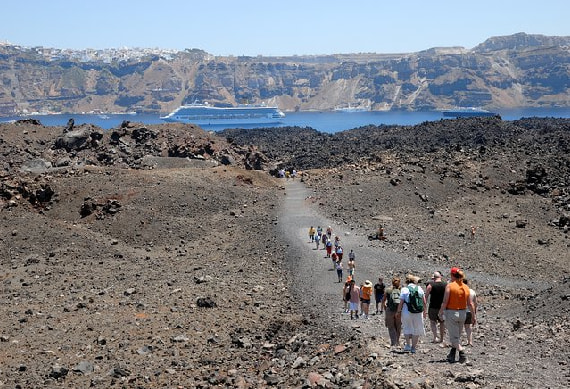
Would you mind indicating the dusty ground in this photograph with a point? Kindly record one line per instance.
(132, 262)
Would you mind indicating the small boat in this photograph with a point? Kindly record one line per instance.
(350, 108)
(467, 112)
(205, 114)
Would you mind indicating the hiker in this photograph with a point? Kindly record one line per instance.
(380, 233)
(317, 239)
(354, 300)
(334, 259)
(346, 293)
(390, 304)
(329, 231)
(379, 294)
(434, 293)
(339, 270)
(328, 246)
(411, 309)
(312, 232)
(324, 240)
(366, 296)
(351, 265)
(339, 252)
(469, 317)
(454, 307)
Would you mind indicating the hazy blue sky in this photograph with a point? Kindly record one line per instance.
(271, 27)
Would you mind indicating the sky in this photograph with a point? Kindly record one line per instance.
(271, 27)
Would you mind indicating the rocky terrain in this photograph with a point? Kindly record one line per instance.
(154, 256)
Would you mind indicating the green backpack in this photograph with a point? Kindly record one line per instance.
(416, 302)
(393, 299)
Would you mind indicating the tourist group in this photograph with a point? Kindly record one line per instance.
(450, 306)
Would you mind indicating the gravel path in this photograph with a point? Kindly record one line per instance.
(316, 284)
(316, 278)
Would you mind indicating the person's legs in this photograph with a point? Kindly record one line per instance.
(469, 333)
(453, 325)
(390, 322)
(433, 326)
(441, 331)
(415, 339)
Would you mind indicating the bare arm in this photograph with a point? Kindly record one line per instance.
(445, 300)
(426, 296)
(472, 308)
(399, 310)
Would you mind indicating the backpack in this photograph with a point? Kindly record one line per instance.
(415, 303)
(393, 300)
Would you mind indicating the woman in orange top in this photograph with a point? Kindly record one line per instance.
(366, 295)
(455, 301)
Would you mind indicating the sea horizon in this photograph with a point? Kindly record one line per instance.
(323, 121)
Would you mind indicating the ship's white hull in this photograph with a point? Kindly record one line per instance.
(203, 114)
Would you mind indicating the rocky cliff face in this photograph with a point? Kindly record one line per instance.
(513, 71)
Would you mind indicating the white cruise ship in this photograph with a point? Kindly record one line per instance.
(205, 114)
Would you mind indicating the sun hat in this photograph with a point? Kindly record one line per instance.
(435, 275)
(412, 278)
(367, 283)
(454, 270)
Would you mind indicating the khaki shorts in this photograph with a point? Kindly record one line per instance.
(454, 321)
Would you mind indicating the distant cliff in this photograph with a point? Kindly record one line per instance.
(520, 70)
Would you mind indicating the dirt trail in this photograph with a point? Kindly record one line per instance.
(315, 273)
(317, 288)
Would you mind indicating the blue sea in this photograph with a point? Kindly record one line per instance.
(329, 122)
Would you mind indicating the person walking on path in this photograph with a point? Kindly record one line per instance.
(334, 259)
(339, 270)
(379, 288)
(366, 296)
(390, 304)
(454, 307)
(346, 294)
(434, 293)
(328, 245)
(469, 317)
(351, 265)
(317, 240)
(354, 300)
(412, 321)
(329, 232)
(324, 240)
(312, 233)
(339, 252)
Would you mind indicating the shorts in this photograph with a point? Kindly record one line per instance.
(363, 301)
(433, 314)
(378, 297)
(454, 321)
(468, 318)
(353, 306)
(413, 324)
